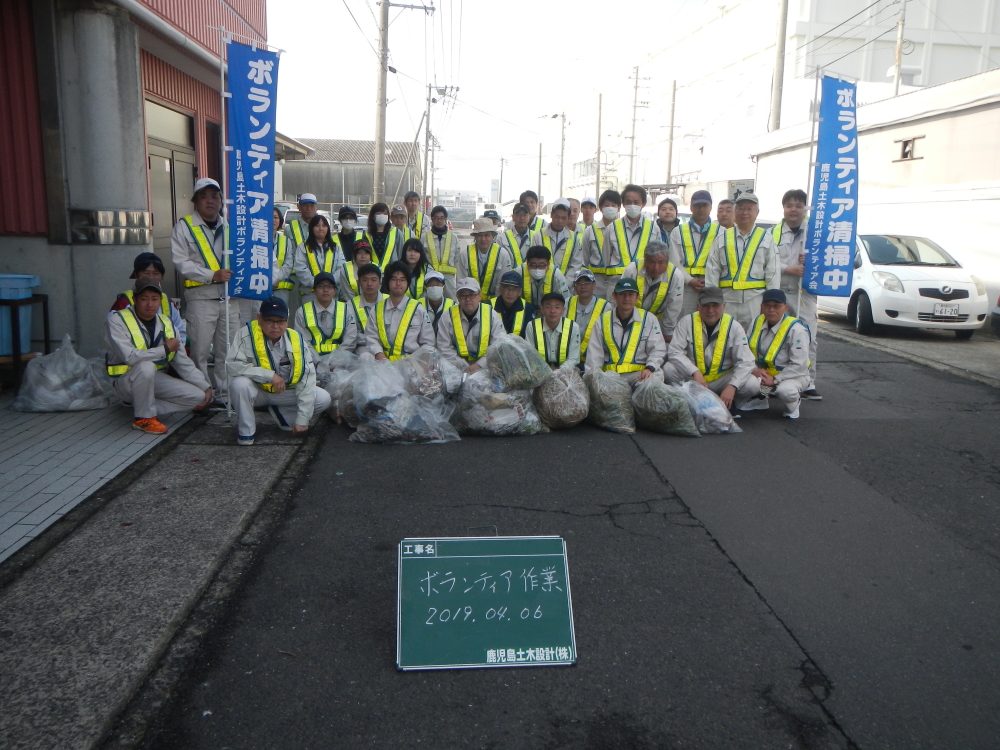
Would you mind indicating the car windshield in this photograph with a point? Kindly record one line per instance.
(893, 250)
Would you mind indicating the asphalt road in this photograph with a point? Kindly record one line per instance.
(830, 582)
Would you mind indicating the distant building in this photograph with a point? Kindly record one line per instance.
(461, 204)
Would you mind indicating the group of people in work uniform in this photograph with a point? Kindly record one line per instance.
(718, 302)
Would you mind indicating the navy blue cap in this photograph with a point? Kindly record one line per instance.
(701, 196)
(145, 260)
(511, 278)
(274, 307)
(323, 276)
(346, 211)
(774, 295)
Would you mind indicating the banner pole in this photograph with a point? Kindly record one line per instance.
(812, 172)
(224, 171)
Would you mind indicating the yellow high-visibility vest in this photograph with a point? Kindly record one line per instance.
(518, 328)
(352, 277)
(661, 292)
(279, 261)
(766, 359)
(322, 343)
(515, 249)
(599, 236)
(416, 288)
(564, 337)
(567, 252)
(526, 285)
(299, 229)
(623, 248)
(712, 371)
(616, 360)
(205, 246)
(138, 333)
(485, 332)
(441, 264)
(263, 355)
(390, 245)
(418, 224)
(483, 275)
(329, 256)
(360, 311)
(396, 351)
(595, 315)
(695, 260)
(738, 273)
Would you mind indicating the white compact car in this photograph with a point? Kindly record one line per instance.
(910, 282)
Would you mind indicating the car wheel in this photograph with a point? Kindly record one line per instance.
(863, 322)
(964, 335)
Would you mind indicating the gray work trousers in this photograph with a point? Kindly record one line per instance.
(153, 393)
(245, 394)
(206, 326)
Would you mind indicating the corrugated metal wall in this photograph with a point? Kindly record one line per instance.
(194, 17)
(22, 175)
(169, 85)
(340, 183)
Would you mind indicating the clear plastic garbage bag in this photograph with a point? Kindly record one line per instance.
(517, 364)
(332, 373)
(61, 381)
(610, 401)
(425, 369)
(407, 419)
(563, 400)
(710, 414)
(379, 380)
(484, 408)
(663, 408)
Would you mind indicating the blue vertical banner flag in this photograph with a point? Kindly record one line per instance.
(832, 241)
(250, 130)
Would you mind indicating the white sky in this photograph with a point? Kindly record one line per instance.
(518, 60)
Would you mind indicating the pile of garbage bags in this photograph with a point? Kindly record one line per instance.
(484, 407)
(563, 400)
(610, 401)
(62, 381)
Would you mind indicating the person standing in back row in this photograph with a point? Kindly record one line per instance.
(690, 244)
(593, 241)
(415, 220)
(626, 239)
(197, 246)
(298, 230)
(442, 248)
(725, 213)
(561, 241)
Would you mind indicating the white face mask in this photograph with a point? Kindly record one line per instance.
(633, 211)
(610, 213)
(434, 293)
(381, 220)
(347, 224)
(537, 273)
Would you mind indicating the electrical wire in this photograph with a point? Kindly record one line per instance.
(360, 29)
(834, 62)
(977, 48)
(813, 40)
(845, 37)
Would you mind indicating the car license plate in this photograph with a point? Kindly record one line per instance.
(946, 309)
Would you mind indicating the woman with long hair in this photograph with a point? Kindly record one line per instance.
(319, 252)
(385, 239)
(415, 257)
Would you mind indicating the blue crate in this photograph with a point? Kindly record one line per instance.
(16, 287)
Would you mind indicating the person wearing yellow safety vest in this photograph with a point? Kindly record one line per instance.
(666, 218)
(434, 300)
(554, 336)
(347, 277)
(484, 260)
(398, 218)
(743, 262)
(141, 345)
(563, 243)
(385, 239)
(690, 244)
(468, 328)
(593, 241)
(270, 365)
(298, 229)
(789, 236)
(710, 348)
(197, 247)
(326, 323)
(417, 222)
(529, 199)
(516, 238)
(415, 258)
(628, 339)
(321, 252)
(442, 248)
(150, 265)
(399, 325)
(661, 286)
(539, 276)
(364, 304)
(283, 253)
(586, 308)
(515, 313)
(780, 345)
(626, 239)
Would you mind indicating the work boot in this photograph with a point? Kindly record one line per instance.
(812, 394)
(152, 424)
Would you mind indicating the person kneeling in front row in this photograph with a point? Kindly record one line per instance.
(780, 345)
(269, 365)
(627, 339)
(141, 344)
(710, 347)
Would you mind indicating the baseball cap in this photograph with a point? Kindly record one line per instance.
(701, 196)
(562, 202)
(274, 307)
(491, 214)
(520, 208)
(589, 200)
(203, 183)
(346, 211)
(145, 260)
(468, 283)
(711, 294)
(362, 245)
(398, 211)
(511, 278)
(584, 274)
(626, 285)
(432, 275)
(774, 295)
(323, 276)
(147, 282)
(483, 225)
(307, 198)
(553, 296)
(748, 197)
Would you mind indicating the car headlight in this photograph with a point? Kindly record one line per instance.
(980, 286)
(888, 281)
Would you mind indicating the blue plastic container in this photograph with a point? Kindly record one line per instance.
(16, 287)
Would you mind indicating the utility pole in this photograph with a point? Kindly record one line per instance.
(378, 186)
(670, 137)
(899, 49)
(427, 153)
(597, 181)
(433, 142)
(774, 121)
(562, 155)
(635, 106)
(500, 191)
(539, 174)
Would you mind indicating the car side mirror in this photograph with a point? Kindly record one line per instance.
(857, 260)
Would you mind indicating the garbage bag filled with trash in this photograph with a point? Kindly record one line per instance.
(485, 408)
(710, 414)
(431, 374)
(610, 401)
(563, 400)
(332, 373)
(516, 364)
(61, 381)
(663, 408)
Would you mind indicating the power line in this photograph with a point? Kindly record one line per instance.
(842, 39)
(813, 40)
(978, 49)
(888, 31)
(374, 51)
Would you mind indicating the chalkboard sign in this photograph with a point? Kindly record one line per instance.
(468, 602)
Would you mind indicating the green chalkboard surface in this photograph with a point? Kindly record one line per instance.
(469, 602)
